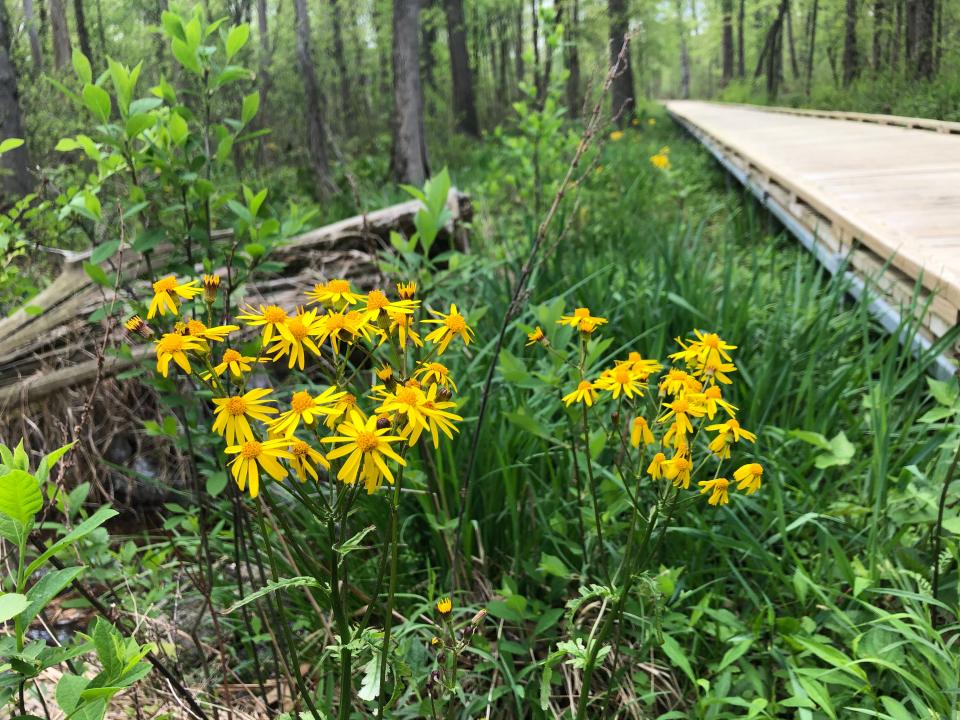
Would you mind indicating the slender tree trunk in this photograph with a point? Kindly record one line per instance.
(314, 109)
(684, 53)
(428, 63)
(264, 79)
(766, 62)
(851, 55)
(503, 92)
(896, 41)
(464, 100)
(409, 158)
(572, 56)
(879, 34)
(794, 65)
(924, 37)
(741, 62)
(621, 92)
(518, 44)
(548, 56)
(101, 33)
(340, 61)
(726, 43)
(535, 20)
(35, 55)
(910, 33)
(15, 178)
(61, 34)
(82, 35)
(811, 56)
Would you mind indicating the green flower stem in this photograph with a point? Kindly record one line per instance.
(388, 620)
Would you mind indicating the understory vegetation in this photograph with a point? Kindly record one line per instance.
(611, 446)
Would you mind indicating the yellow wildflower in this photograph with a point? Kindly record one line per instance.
(163, 299)
(677, 470)
(304, 460)
(655, 468)
(620, 379)
(643, 367)
(138, 326)
(749, 477)
(336, 292)
(270, 317)
(422, 411)
(717, 489)
(365, 447)
(660, 161)
(403, 326)
(584, 393)
(211, 284)
(434, 372)
(451, 325)
(380, 306)
(444, 606)
(677, 382)
(173, 346)
(305, 408)
(296, 336)
(232, 413)
(713, 399)
(250, 455)
(706, 348)
(582, 319)
(340, 409)
(535, 336)
(616, 135)
(334, 326)
(640, 431)
(407, 291)
(217, 334)
(651, 122)
(235, 362)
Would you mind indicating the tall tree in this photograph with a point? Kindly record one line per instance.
(409, 162)
(726, 42)
(572, 56)
(880, 31)
(812, 47)
(314, 106)
(684, 53)
(851, 55)
(464, 100)
(924, 37)
(35, 55)
(82, 35)
(61, 34)
(741, 62)
(518, 43)
(621, 92)
(340, 61)
(14, 164)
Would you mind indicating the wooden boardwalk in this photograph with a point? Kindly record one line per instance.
(878, 190)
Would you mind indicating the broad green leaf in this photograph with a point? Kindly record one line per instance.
(66, 145)
(104, 251)
(68, 691)
(186, 56)
(830, 655)
(251, 104)
(97, 101)
(945, 393)
(10, 144)
(285, 584)
(813, 438)
(734, 653)
(49, 460)
(11, 605)
(552, 565)
(96, 273)
(78, 533)
(46, 589)
(677, 656)
(178, 129)
(20, 496)
(236, 39)
(81, 66)
(136, 124)
(173, 25)
(110, 648)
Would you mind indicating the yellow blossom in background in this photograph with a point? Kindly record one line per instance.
(681, 410)
(421, 411)
(677, 382)
(165, 293)
(635, 122)
(621, 379)
(655, 468)
(364, 447)
(584, 393)
(305, 459)
(535, 336)
(334, 327)
(706, 348)
(677, 470)
(660, 161)
(407, 291)
(582, 319)
(434, 372)
(270, 317)
(337, 292)
(402, 326)
(651, 122)
(616, 135)
(253, 455)
(749, 477)
(717, 489)
(340, 409)
(234, 361)
(640, 432)
(713, 371)
(732, 427)
(713, 399)
(295, 337)
(444, 606)
(359, 325)
(379, 305)
(216, 334)
(305, 408)
(232, 415)
(643, 367)
(173, 346)
(451, 325)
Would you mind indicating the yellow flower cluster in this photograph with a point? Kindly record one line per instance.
(686, 404)
(409, 398)
(661, 160)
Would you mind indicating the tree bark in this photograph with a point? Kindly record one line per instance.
(518, 44)
(726, 43)
(879, 34)
(35, 54)
(82, 35)
(851, 55)
(572, 56)
(464, 99)
(794, 65)
(535, 20)
(503, 92)
(15, 178)
(924, 37)
(61, 34)
(101, 33)
(811, 55)
(340, 61)
(264, 79)
(621, 91)
(409, 162)
(741, 63)
(316, 132)
(684, 54)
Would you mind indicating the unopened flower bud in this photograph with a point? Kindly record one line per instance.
(383, 422)
(443, 394)
(211, 284)
(138, 326)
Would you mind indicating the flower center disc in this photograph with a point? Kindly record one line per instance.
(231, 356)
(301, 401)
(251, 449)
(237, 406)
(456, 323)
(297, 328)
(274, 315)
(367, 441)
(165, 285)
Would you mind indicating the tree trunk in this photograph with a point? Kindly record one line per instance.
(811, 56)
(535, 20)
(621, 92)
(464, 101)
(340, 61)
(15, 178)
(82, 35)
(503, 92)
(264, 80)
(851, 57)
(741, 63)
(896, 41)
(316, 132)
(548, 56)
(879, 34)
(726, 43)
(518, 44)
(924, 37)
(767, 61)
(61, 34)
(101, 33)
(409, 158)
(35, 54)
(684, 54)
(428, 63)
(572, 56)
(794, 65)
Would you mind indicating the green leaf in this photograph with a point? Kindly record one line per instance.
(812, 438)
(186, 56)
(677, 656)
(285, 584)
(236, 39)
(251, 104)
(830, 655)
(103, 251)
(216, 482)
(173, 25)
(46, 589)
(11, 605)
(78, 533)
(10, 144)
(68, 691)
(20, 496)
(66, 145)
(97, 101)
(353, 543)
(552, 565)
(110, 648)
(81, 66)
(136, 124)
(945, 393)
(178, 128)
(734, 653)
(96, 273)
(49, 460)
